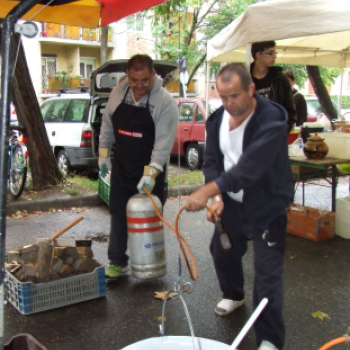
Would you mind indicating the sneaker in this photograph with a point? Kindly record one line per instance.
(115, 271)
(266, 345)
(226, 306)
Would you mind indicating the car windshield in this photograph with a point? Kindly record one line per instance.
(314, 107)
(214, 104)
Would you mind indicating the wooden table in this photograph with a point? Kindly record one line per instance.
(321, 166)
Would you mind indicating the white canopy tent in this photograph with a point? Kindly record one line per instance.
(310, 32)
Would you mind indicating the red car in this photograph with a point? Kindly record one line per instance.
(190, 136)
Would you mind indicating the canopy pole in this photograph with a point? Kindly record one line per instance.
(7, 69)
(340, 97)
(248, 56)
(207, 90)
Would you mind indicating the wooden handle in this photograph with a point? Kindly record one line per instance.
(59, 233)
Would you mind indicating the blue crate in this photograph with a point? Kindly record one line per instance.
(29, 298)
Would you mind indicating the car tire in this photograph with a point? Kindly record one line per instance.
(63, 163)
(193, 156)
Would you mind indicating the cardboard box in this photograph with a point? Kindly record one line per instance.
(310, 223)
(338, 144)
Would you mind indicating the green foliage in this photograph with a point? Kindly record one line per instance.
(328, 74)
(177, 26)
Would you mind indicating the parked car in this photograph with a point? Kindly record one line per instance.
(314, 108)
(190, 136)
(73, 121)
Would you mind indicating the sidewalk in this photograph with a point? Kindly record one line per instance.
(63, 202)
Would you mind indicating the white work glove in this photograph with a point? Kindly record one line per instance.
(150, 172)
(104, 161)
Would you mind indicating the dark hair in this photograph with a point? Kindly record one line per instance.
(290, 75)
(261, 46)
(228, 71)
(139, 62)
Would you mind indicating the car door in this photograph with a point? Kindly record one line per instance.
(74, 124)
(198, 127)
(186, 115)
(53, 112)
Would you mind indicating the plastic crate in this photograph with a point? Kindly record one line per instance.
(103, 189)
(29, 298)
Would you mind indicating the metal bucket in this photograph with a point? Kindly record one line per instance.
(145, 237)
(176, 343)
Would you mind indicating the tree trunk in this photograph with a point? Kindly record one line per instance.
(104, 47)
(321, 92)
(42, 162)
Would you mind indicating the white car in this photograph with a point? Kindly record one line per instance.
(67, 123)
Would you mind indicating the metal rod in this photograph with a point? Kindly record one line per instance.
(249, 323)
(7, 44)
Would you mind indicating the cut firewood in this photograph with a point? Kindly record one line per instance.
(59, 251)
(57, 264)
(77, 262)
(45, 255)
(86, 251)
(66, 270)
(72, 251)
(29, 254)
(85, 264)
(68, 260)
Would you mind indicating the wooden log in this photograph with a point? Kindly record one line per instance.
(44, 261)
(58, 251)
(85, 264)
(13, 255)
(29, 254)
(68, 260)
(45, 253)
(71, 251)
(77, 262)
(86, 251)
(66, 270)
(56, 264)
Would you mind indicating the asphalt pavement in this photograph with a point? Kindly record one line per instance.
(316, 278)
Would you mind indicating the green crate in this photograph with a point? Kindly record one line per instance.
(103, 189)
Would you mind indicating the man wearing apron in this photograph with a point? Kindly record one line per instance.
(141, 120)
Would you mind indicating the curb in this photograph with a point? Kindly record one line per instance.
(83, 201)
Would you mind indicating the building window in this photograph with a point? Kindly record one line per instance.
(87, 65)
(134, 23)
(48, 69)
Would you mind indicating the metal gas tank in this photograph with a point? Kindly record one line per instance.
(145, 237)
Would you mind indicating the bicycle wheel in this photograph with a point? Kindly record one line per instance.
(18, 172)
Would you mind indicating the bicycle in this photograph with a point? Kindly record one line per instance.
(18, 161)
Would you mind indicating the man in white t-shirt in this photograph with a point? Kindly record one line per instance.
(250, 184)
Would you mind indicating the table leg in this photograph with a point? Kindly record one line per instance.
(334, 185)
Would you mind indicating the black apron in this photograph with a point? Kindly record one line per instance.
(134, 133)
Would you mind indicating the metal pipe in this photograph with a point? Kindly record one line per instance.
(7, 44)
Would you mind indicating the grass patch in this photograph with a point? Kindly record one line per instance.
(193, 177)
(72, 191)
(189, 178)
(88, 183)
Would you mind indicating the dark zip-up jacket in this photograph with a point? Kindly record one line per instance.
(280, 91)
(263, 171)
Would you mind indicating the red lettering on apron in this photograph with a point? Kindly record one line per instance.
(129, 133)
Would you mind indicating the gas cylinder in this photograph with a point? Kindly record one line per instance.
(145, 237)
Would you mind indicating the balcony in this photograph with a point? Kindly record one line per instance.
(83, 35)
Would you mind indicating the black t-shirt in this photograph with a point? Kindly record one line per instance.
(263, 85)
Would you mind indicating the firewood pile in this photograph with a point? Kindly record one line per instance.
(70, 258)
